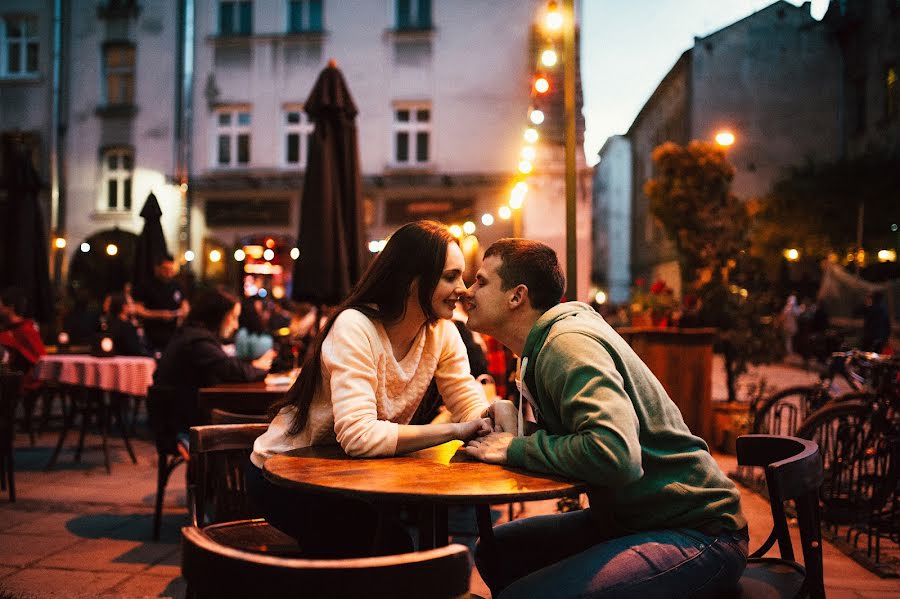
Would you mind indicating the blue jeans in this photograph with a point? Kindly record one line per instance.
(564, 555)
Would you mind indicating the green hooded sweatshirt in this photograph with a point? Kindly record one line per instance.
(608, 421)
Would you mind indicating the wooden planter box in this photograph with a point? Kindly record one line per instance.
(682, 361)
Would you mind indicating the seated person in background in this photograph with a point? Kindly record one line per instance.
(664, 520)
(19, 336)
(362, 387)
(251, 340)
(126, 339)
(194, 357)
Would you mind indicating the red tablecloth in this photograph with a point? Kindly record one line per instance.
(125, 374)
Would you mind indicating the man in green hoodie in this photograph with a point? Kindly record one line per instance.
(663, 521)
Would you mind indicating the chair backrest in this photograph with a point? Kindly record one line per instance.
(793, 472)
(220, 453)
(214, 570)
(217, 416)
(168, 411)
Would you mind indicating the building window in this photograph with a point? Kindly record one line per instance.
(413, 14)
(297, 129)
(304, 16)
(412, 135)
(18, 46)
(118, 65)
(235, 18)
(890, 92)
(118, 169)
(232, 137)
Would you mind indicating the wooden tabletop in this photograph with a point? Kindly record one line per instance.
(437, 475)
(243, 398)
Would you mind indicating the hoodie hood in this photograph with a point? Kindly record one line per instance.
(541, 330)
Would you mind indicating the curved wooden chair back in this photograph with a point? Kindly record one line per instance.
(793, 470)
(220, 453)
(214, 570)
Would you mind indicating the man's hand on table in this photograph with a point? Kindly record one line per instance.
(491, 448)
(473, 429)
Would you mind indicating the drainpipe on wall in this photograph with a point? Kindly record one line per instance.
(184, 120)
(57, 200)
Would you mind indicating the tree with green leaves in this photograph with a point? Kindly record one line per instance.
(691, 197)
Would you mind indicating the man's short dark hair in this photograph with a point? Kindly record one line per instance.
(533, 264)
(210, 308)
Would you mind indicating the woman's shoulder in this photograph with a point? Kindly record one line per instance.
(353, 321)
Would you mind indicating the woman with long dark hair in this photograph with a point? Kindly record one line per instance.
(364, 379)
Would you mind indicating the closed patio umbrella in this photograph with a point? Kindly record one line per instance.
(151, 243)
(24, 259)
(330, 240)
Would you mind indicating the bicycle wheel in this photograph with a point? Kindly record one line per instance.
(783, 412)
(857, 459)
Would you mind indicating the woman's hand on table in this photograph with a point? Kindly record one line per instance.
(491, 448)
(504, 415)
(473, 429)
(264, 362)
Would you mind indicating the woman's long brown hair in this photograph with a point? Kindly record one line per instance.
(416, 250)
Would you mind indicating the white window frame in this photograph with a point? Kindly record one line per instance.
(120, 74)
(121, 176)
(23, 42)
(412, 128)
(234, 129)
(305, 17)
(303, 129)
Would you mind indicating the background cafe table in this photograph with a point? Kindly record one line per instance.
(246, 398)
(113, 376)
(433, 479)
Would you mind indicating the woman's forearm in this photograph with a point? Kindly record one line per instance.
(413, 437)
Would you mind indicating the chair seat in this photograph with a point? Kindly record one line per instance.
(254, 535)
(769, 580)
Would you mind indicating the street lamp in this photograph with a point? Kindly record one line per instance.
(792, 254)
(725, 138)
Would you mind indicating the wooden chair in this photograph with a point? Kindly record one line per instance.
(162, 415)
(213, 570)
(793, 470)
(220, 503)
(10, 390)
(217, 416)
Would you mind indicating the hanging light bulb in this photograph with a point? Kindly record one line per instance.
(215, 255)
(504, 212)
(468, 227)
(549, 57)
(531, 135)
(536, 116)
(456, 230)
(541, 85)
(517, 195)
(529, 153)
(487, 219)
(239, 255)
(112, 249)
(525, 167)
(553, 20)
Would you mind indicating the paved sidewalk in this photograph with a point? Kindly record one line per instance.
(76, 532)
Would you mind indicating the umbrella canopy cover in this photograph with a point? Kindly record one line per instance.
(330, 240)
(24, 260)
(151, 243)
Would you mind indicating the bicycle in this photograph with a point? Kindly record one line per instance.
(782, 412)
(859, 440)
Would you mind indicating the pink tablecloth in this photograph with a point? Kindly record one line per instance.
(125, 374)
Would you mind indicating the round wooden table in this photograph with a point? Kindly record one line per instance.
(432, 478)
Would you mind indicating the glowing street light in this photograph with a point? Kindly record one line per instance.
(295, 253)
(536, 116)
(549, 57)
(456, 230)
(792, 254)
(59, 243)
(189, 256)
(541, 85)
(531, 135)
(468, 227)
(239, 255)
(487, 219)
(215, 255)
(112, 249)
(553, 20)
(725, 138)
(269, 255)
(887, 255)
(85, 247)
